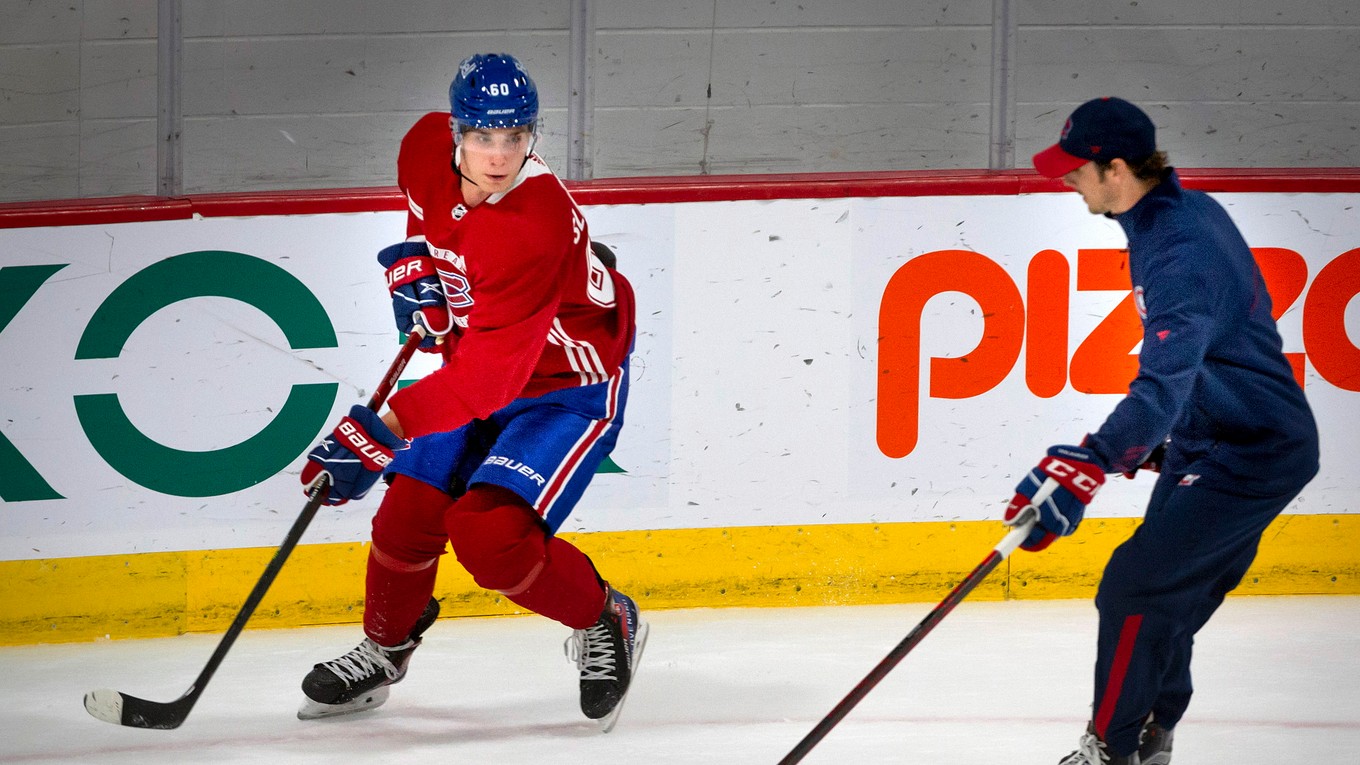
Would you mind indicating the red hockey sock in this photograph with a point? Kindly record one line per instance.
(408, 538)
(568, 589)
(394, 598)
(502, 542)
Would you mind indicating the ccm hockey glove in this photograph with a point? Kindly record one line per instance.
(1079, 475)
(415, 288)
(353, 455)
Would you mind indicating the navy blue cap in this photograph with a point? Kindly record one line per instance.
(1099, 130)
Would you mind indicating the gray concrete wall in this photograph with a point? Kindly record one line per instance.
(299, 94)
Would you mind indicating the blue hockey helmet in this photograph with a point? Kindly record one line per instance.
(493, 90)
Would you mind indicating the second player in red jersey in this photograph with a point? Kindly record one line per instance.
(490, 453)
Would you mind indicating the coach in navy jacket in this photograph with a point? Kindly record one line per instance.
(1215, 406)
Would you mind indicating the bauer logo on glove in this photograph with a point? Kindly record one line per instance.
(417, 291)
(374, 456)
(407, 270)
(353, 457)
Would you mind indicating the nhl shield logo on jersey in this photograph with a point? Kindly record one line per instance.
(459, 211)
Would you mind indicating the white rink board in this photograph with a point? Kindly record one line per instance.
(754, 397)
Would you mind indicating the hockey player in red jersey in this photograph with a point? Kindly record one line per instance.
(491, 452)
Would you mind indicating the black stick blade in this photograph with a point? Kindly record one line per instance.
(121, 709)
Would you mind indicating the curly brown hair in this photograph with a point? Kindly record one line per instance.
(1149, 168)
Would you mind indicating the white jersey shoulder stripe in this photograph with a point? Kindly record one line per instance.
(416, 209)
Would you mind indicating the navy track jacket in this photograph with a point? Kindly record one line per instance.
(1211, 373)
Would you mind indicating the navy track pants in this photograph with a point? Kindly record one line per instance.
(1160, 587)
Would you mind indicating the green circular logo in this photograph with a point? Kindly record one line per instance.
(208, 273)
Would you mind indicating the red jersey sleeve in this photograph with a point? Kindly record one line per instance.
(518, 290)
(431, 136)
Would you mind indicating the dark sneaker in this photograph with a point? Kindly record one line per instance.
(1154, 745)
(359, 680)
(607, 655)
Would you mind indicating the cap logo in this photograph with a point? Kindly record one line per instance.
(1067, 129)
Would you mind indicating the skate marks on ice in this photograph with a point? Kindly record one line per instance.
(1277, 680)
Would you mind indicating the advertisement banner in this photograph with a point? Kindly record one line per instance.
(163, 380)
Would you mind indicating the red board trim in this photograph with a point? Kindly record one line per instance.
(654, 190)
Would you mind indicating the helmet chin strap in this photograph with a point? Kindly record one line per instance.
(458, 159)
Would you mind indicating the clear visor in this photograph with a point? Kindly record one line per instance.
(517, 140)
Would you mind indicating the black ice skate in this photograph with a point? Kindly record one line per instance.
(359, 680)
(1091, 751)
(1154, 744)
(607, 656)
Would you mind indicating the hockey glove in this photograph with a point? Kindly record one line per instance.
(1079, 475)
(353, 455)
(416, 291)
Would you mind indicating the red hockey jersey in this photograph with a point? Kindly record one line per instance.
(534, 310)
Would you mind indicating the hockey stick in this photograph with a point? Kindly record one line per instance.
(1029, 516)
(121, 709)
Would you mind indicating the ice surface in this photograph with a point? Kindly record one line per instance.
(1278, 681)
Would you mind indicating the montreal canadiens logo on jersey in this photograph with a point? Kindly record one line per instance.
(451, 267)
(1139, 302)
(457, 289)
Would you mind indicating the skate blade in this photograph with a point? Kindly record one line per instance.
(315, 710)
(607, 722)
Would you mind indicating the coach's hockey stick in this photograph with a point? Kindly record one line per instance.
(121, 709)
(1028, 517)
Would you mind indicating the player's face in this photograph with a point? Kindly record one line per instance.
(1096, 188)
(492, 157)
